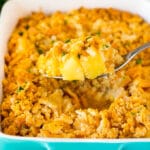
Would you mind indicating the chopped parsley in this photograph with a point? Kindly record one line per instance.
(40, 51)
(20, 88)
(27, 27)
(52, 41)
(67, 41)
(139, 61)
(133, 113)
(105, 46)
(20, 33)
(88, 38)
(79, 55)
(65, 22)
(97, 33)
(63, 54)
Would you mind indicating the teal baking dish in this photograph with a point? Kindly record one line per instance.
(11, 12)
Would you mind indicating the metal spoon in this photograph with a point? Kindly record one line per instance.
(127, 59)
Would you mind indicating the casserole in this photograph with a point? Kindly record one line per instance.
(9, 21)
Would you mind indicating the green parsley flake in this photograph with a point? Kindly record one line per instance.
(40, 51)
(79, 55)
(27, 27)
(65, 22)
(97, 33)
(105, 46)
(88, 38)
(63, 54)
(52, 42)
(67, 41)
(133, 113)
(20, 89)
(20, 33)
(139, 61)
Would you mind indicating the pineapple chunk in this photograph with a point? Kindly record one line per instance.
(48, 67)
(52, 67)
(93, 65)
(53, 62)
(71, 69)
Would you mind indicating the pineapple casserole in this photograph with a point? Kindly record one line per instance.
(79, 45)
(84, 57)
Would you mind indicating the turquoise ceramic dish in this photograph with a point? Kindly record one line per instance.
(58, 144)
(11, 12)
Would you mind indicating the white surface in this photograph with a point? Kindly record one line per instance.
(14, 9)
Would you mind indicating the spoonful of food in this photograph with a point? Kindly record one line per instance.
(84, 57)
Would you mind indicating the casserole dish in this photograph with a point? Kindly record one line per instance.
(15, 9)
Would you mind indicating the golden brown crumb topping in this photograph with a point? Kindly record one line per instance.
(113, 107)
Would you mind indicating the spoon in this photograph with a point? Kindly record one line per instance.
(128, 57)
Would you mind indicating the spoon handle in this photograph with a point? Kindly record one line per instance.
(132, 54)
